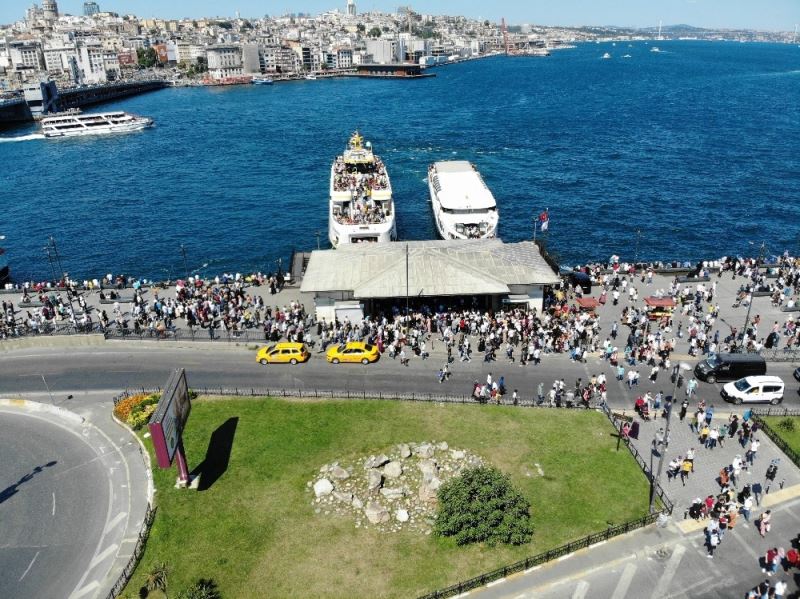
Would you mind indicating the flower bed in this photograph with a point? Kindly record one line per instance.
(135, 411)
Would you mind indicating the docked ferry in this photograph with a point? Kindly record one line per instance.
(463, 206)
(361, 208)
(93, 123)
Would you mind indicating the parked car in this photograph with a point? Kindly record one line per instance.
(283, 353)
(354, 351)
(730, 367)
(754, 389)
(797, 374)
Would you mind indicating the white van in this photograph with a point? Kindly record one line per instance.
(754, 389)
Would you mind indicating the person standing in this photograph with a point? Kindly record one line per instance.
(764, 523)
(712, 542)
(751, 453)
(684, 407)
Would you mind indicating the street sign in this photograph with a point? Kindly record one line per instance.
(167, 423)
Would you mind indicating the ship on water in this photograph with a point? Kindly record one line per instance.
(463, 206)
(75, 123)
(361, 208)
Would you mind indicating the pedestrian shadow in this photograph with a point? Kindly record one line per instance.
(218, 454)
(12, 490)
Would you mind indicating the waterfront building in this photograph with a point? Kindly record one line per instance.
(383, 51)
(90, 9)
(377, 276)
(224, 61)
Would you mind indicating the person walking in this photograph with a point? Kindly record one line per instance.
(684, 407)
(751, 453)
(712, 542)
(686, 468)
(747, 507)
(764, 523)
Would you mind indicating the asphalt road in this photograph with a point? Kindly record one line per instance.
(54, 499)
(114, 366)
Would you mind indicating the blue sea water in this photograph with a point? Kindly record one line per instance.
(697, 146)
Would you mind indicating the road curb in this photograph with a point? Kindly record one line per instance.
(148, 464)
(35, 406)
(51, 341)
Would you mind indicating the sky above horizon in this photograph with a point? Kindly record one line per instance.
(735, 14)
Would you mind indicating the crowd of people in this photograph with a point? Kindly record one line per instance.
(360, 181)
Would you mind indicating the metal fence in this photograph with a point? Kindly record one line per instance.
(758, 415)
(126, 573)
(781, 355)
(617, 420)
(359, 394)
(537, 560)
(199, 334)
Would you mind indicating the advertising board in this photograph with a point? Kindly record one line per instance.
(167, 423)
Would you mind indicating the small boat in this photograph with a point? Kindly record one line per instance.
(606, 56)
(262, 81)
(627, 56)
(655, 49)
(311, 77)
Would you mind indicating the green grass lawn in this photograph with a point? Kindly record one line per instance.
(792, 437)
(255, 532)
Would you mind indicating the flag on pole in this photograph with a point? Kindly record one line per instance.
(544, 218)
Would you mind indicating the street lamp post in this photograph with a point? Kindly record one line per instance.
(752, 296)
(636, 255)
(663, 451)
(185, 265)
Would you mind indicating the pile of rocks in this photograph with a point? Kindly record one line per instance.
(390, 491)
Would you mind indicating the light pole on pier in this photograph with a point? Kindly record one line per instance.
(676, 373)
(185, 265)
(50, 261)
(752, 296)
(636, 255)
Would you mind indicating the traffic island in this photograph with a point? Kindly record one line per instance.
(252, 528)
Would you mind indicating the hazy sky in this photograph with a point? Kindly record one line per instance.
(751, 14)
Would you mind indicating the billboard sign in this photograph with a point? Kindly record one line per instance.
(167, 423)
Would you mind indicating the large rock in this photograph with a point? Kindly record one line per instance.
(393, 493)
(374, 479)
(376, 461)
(404, 450)
(424, 451)
(357, 503)
(429, 469)
(457, 454)
(343, 496)
(393, 470)
(339, 473)
(401, 515)
(376, 513)
(442, 446)
(428, 490)
(323, 487)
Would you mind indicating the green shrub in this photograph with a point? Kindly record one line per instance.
(787, 424)
(481, 505)
(205, 588)
(139, 418)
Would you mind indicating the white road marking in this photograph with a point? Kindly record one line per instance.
(563, 557)
(103, 555)
(624, 582)
(88, 588)
(580, 590)
(669, 573)
(28, 569)
(747, 547)
(116, 520)
(498, 581)
(54, 504)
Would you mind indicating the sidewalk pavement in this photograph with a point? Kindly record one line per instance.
(708, 462)
(659, 563)
(130, 481)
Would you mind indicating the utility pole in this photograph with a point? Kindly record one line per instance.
(406, 280)
(663, 451)
(50, 260)
(185, 264)
(750, 303)
(636, 255)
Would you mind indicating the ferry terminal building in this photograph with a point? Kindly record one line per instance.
(487, 274)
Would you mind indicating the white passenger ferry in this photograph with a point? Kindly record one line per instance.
(463, 206)
(361, 208)
(93, 123)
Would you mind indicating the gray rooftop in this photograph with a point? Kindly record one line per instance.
(436, 268)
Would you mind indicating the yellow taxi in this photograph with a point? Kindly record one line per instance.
(354, 351)
(283, 353)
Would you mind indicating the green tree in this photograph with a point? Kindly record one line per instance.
(146, 57)
(157, 578)
(375, 32)
(361, 27)
(481, 505)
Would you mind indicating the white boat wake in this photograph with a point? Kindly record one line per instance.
(22, 137)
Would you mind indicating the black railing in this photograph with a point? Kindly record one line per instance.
(126, 573)
(541, 558)
(781, 355)
(51, 329)
(617, 420)
(758, 415)
(199, 334)
(505, 400)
